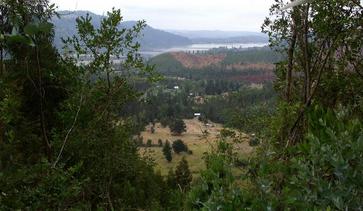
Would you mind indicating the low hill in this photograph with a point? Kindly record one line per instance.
(65, 26)
(197, 61)
(251, 66)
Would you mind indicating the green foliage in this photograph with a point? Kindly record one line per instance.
(262, 55)
(160, 143)
(179, 146)
(149, 143)
(171, 179)
(66, 133)
(167, 151)
(177, 126)
(63, 144)
(183, 176)
(216, 190)
(40, 187)
(309, 156)
(226, 70)
(322, 171)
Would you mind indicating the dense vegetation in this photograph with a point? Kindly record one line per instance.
(230, 68)
(63, 145)
(233, 104)
(67, 127)
(310, 154)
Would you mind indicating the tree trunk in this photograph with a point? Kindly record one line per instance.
(43, 124)
(306, 53)
(290, 63)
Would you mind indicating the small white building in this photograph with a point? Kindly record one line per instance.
(197, 114)
(176, 87)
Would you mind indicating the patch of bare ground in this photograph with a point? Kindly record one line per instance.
(197, 61)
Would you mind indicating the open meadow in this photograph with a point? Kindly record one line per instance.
(195, 138)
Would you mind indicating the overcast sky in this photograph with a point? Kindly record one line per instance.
(246, 15)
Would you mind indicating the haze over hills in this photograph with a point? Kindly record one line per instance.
(152, 38)
(155, 38)
(215, 34)
(240, 39)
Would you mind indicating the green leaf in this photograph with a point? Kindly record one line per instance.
(45, 27)
(17, 39)
(31, 29)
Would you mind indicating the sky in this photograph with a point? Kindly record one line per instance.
(226, 15)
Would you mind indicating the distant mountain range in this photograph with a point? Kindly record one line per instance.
(154, 38)
(151, 39)
(215, 34)
(241, 39)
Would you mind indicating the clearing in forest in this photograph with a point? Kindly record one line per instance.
(197, 141)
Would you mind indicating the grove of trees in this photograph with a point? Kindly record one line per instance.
(62, 143)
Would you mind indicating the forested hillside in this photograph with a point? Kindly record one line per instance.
(255, 65)
(71, 131)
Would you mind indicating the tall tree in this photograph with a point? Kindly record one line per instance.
(32, 79)
(179, 146)
(321, 47)
(64, 144)
(183, 176)
(167, 151)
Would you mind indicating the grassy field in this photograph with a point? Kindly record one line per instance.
(194, 138)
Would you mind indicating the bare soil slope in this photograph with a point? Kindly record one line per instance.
(197, 61)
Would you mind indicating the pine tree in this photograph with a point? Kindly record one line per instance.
(183, 175)
(179, 146)
(167, 151)
(171, 179)
(149, 143)
(177, 126)
(160, 142)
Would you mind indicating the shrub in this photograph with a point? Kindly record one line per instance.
(183, 176)
(149, 143)
(177, 126)
(254, 142)
(179, 146)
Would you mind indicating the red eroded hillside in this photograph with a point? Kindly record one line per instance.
(200, 64)
(197, 61)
